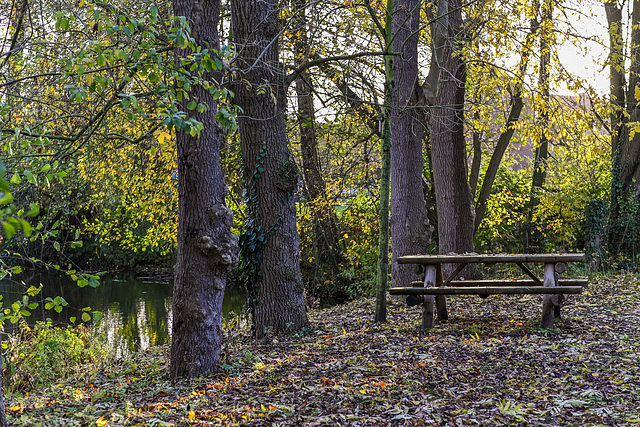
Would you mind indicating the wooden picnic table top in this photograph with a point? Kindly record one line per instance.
(490, 258)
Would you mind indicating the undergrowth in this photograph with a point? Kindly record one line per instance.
(37, 356)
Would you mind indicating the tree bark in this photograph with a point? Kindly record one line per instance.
(625, 171)
(207, 249)
(410, 229)
(448, 147)
(270, 242)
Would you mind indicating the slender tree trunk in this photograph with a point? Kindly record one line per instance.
(505, 137)
(448, 147)
(207, 248)
(270, 244)
(323, 213)
(410, 229)
(382, 277)
(534, 232)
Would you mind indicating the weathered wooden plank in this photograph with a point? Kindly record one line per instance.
(490, 258)
(489, 290)
(528, 272)
(508, 282)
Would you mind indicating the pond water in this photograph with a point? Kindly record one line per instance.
(136, 310)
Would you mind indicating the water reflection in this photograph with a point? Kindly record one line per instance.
(136, 311)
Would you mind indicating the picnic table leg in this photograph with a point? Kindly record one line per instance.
(427, 305)
(558, 299)
(441, 300)
(548, 306)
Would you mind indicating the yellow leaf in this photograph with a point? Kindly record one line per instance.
(192, 415)
(101, 422)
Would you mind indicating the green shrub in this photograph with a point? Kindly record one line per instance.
(40, 356)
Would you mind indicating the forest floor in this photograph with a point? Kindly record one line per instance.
(490, 364)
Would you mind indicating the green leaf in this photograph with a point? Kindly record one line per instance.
(97, 315)
(6, 198)
(58, 309)
(62, 24)
(15, 179)
(46, 168)
(56, 245)
(72, 319)
(101, 60)
(30, 177)
(82, 283)
(9, 230)
(86, 317)
(49, 306)
(34, 210)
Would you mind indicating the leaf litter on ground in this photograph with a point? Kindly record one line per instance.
(490, 364)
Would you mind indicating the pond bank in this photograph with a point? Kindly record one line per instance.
(489, 365)
(136, 308)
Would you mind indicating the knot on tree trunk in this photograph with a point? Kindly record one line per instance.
(287, 176)
(220, 244)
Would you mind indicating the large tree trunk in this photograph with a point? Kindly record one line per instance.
(270, 244)
(410, 230)
(625, 172)
(630, 151)
(206, 246)
(323, 212)
(448, 147)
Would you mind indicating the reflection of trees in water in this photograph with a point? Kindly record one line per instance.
(136, 314)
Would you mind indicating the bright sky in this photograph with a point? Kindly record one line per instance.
(586, 59)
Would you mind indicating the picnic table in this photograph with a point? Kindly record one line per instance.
(433, 289)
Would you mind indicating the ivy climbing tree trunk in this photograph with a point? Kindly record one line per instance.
(625, 140)
(270, 244)
(448, 146)
(207, 249)
(410, 229)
